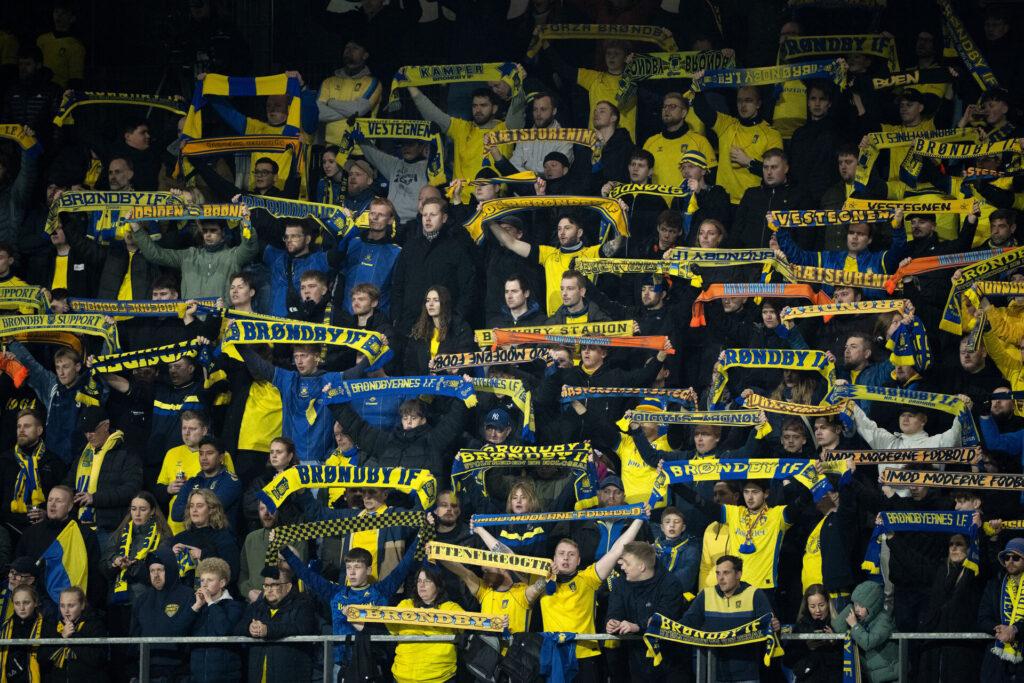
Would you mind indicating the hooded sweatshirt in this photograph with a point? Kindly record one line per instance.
(162, 613)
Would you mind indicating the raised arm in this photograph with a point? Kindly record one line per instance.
(606, 564)
(323, 588)
(429, 110)
(518, 247)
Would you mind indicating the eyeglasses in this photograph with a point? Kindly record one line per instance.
(275, 585)
(262, 172)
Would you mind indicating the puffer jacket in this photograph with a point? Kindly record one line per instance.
(878, 652)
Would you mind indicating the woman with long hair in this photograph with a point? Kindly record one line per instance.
(207, 534)
(820, 661)
(19, 664)
(425, 662)
(439, 330)
(281, 457)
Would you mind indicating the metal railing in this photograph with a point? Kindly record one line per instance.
(706, 658)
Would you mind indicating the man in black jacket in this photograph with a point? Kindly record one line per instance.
(813, 146)
(162, 612)
(282, 611)
(777, 192)
(27, 471)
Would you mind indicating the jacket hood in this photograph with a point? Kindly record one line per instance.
(163, 555)
(871, 595)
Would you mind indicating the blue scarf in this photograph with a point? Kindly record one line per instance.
(941, 521)
(440, 385)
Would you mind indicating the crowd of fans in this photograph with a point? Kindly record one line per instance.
(160, 467)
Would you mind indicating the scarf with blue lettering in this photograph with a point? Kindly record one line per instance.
(25, 298)
(398, 129)
(771, 291)
(826, 69)
(93, 325)
(615, 513)
(987, 269)
(612, 216)
(437, 385)
(74, 99)
(769, 358)
(946, 403)
(509, 73)
(267, 329)
(876, 45)
(940, 521)
(98, 203)
(714, 469)
(629, 32)
(135, 307)
(329, 216)
(420, 482)
(665, 65)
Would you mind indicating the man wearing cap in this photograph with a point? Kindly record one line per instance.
(777, 192)
(351, 92)
(999, 612)
(105, 476)
(676, 139)
(712, 200)
(361, 188)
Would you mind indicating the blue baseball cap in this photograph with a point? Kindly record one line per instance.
(499, 419)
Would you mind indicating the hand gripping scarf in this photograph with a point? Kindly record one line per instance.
(653, 342)
(955, 35)
(516, 390)
(425, 616)
(680, 258)
(329, 216)
(953, 480)
(420, 482)
(28, 487)
(946, 403)
(571, 456)
(1011, 611)
(830, 70)
(757, 631)
(135, 307)
(437, 385)
(73, 99)
(188, 212)
(231, 86)
(7, 633)
(633, 189)
(722, 291)
(398, 129)
(621, 512)
(150, 543)
(370, 344)
(724, 418)
(876, 45)
(909, 346)
(146, 358)
(996, 265)
(87, 473)
(476, 359)
(243, 144)
(92, 325)
(510, 73)
(849, 308)
(665, 65)
(578, 136)
(484, 558)
(771, 358)
(715, 469)
(939, 521)
(928, 264)
(293, 533)
(630, 32)
(611, 213)
(910, 167)
(614, 328)
(819, 218)
(912, 78)
(114, 201)
(23, 298)
(16, 132)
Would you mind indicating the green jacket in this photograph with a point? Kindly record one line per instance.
(879, 654)
(204, 273)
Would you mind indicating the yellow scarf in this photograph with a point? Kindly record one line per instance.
(87, 473)
(7, 631)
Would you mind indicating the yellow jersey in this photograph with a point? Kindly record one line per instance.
(717, 539)
(183, 459)
(754, 140)
(64, 56)
(348, 88)
(512, 602)
(790, 110)
(602, 86)
(423, 662)
(572, 609)
(810, 573)
(469, 149)
(764, 530)
(668, 151)
(555, 262)
(637, 476)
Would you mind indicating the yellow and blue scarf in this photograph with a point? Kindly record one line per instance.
(420, 482)
(436, 385)
(93, 325)
(757, 631)
(715, 469)
(151, 541)
(28, 488)
(76, 98)
(611, 213)
(939, 521)
(629, 32)
(770, 358)
(946, 403)
(87, 473)
(664, 65)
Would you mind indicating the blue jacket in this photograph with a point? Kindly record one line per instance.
(224, 484)
(372, 262)
(277, 260)
(712, 611)
(879, 262)
(213, 663)
(1010, 443)
(339, 596)
(876, 375)
(681, 556)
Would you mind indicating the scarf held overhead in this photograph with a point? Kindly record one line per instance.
(876, 45)
(146, 358)
(509, 73)
(611, 213)
(572, 456)
(940, 521)
(613, 328)
(361, 614)
(397, 129)
(665, 65)
(629, 32)
(621, 512)
(515, 390)
(293, 533)
(370, 344)
(973, 480)
(436, 385)
(106, 201)
(776, 291)
(989, 268)
(654, 342)
(420, 482)
(714, 469)
(946, 403)
(484, 558)
(475, 359)
(76, 98)
(92, 325)
(771, 358)
(830, 70)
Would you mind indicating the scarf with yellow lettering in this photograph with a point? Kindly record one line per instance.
(420, 482)
(946, 403)
(772, 405)
(653, 342)
(664, 65)
(243, 144)
(329, 216)
(76, 98)
(939, 521)
(87, 473)
(478, 359)
(953, 480)
(770, 291)
(16, 132)
(24, 298)
(1011, 611)
(28, 488)
(294, 533)
(769, 358)
(910, 167)
(839, 278)
(830, 70)
(435, 385)
(397, 129)
(145, 358)
(715, 469)
(425, 616)
(149, 544)
(937, 149)
(92, 325)
(821, 217)
(989, 268)
(7, 632)
(515, 390)
(99, 202)
(973, 174)
(577, 136)
(757, 631)
(188, 212)
(724, 418)
(523, 178)
(669, 192)
(509, 73)
(134, 307)
(283, 331)
(621, 512)
(955, 36)
(850, 308)
(876, 45)
(681, 258)
(611, 328)
(596, 266)
(611, 213)
(988, 288)
(483, 558)
(572, 456)
(962, 207)
(911, 78)
(629, 32)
